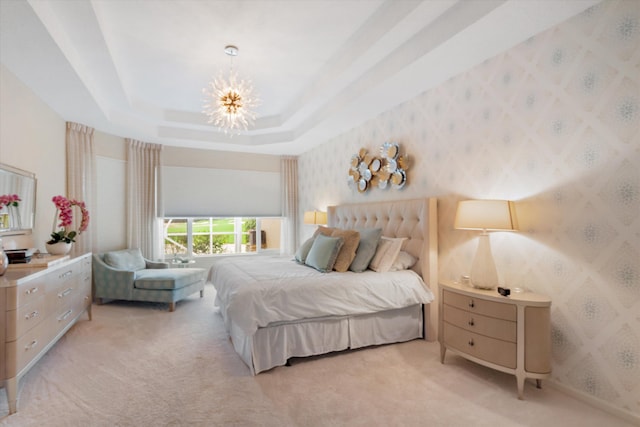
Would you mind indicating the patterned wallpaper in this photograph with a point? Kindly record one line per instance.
(553, 124)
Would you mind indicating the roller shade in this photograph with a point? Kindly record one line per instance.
(194, 192)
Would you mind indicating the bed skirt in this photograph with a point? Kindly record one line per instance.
(274, 344)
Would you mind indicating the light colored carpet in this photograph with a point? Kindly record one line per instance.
(137, 364)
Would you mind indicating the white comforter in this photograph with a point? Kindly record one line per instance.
(254, 292)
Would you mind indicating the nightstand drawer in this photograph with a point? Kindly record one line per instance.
(492, 350)
(481, 306)
(505, 330)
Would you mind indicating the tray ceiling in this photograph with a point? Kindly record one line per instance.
(136, 68)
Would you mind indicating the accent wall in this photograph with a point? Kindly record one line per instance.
(553, 124)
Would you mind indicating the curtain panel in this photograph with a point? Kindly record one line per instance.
(81, 182)
(289, 188)
(144, 198)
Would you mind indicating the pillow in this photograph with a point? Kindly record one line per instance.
(348, 251)
(323, 253)
(326, 231)
(404, 261)
(127, 259)
(303, 250)
(369, 238)
(386, 254)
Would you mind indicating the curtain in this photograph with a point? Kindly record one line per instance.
(289, 188)
(81, 182)
(145, 210)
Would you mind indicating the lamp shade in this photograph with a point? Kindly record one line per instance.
(315, 217)
(497, 215)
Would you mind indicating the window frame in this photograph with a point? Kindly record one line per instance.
(238, 234)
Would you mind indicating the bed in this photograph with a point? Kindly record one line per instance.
(275, 309)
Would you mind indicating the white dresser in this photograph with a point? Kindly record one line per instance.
(511, 334)
(39, 303)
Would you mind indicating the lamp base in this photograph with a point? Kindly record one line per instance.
(483, 270)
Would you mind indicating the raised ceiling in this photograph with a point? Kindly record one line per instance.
(137, 68)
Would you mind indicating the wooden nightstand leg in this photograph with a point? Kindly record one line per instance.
(539, 383)
(443, 350)
(520, 379)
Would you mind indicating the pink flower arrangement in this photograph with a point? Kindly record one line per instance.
(64, 214)
(9, 200)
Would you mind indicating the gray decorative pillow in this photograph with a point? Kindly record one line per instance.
(324, 252)
(369, 238)
(303, 250)
(127, 259)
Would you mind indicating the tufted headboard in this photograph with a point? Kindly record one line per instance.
(415, 219)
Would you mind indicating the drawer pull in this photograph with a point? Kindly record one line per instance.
(65, 293)
(31, 291)
(65, 315)
(471, 304)
(32, 315)
(471, 322)
(31, 345)
(471, 343)
(65, 274)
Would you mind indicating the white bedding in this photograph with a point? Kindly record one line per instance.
(253, 292)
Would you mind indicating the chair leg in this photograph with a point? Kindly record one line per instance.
(172, 307)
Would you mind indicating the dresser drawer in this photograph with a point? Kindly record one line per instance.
(28, 346)
(480, 306)
(505, 330)
(64, 297)
(492, 350)
(27, 292)
(67, 277)
(63, 317)
(26, 317)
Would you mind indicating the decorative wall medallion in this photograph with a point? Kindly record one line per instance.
(389, 169)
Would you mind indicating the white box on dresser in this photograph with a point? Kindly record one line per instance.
(39, 304)
(511, 334)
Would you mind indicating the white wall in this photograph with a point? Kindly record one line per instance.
(32, 137)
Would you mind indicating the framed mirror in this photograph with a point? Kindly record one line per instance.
(17, 219)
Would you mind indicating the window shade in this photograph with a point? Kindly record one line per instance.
(193, 192)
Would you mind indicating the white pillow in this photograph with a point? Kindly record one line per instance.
(386, 253)
(404, 261)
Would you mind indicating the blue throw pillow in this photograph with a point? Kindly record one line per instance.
(303, 250)
(369, 238)
(324, 252)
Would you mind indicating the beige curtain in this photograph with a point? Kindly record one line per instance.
(81, 182)
(289, 186)
(145, 210)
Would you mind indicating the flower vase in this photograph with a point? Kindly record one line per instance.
(4, 260)
(59, 248)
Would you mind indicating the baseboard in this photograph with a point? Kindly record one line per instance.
(598, 403)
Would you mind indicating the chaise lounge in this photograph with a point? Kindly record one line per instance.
(127, 275)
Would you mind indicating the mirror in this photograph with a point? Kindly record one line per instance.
(20, 219)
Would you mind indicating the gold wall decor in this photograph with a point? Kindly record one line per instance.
(389, 169)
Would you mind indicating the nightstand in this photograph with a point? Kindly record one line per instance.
(510, 334)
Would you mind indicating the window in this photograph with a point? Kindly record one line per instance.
(216, 236)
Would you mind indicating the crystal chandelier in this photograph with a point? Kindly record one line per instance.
(229, 103)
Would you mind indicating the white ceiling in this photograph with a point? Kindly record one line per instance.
(137, 68)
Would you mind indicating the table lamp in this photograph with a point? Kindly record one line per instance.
(485, 215)
(315, 217)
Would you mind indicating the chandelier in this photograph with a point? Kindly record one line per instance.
(229, 103)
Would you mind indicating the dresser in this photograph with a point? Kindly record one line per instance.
(511, 334)
(39, 304)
